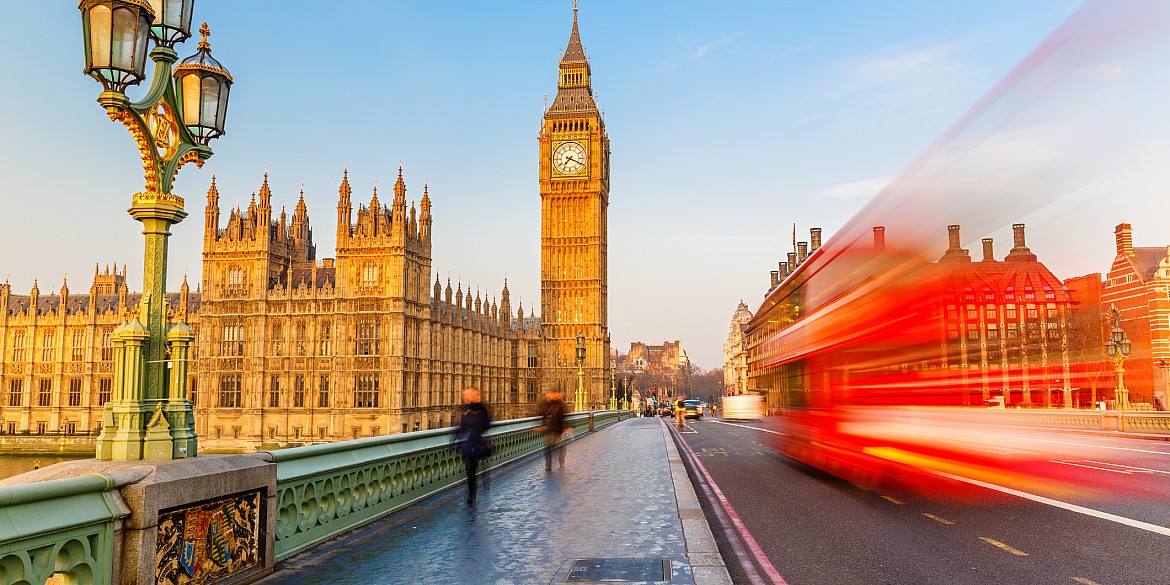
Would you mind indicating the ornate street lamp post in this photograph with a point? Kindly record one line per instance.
(613, 402)
(579, 402)
(1160, 401)
(1119, 347)
(149, 416)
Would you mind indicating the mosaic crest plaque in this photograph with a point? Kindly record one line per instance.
(206, 542)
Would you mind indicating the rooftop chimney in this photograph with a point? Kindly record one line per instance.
(784, 270)
(775, 278)
(1019, 251)
(879, 237)
(988, 251)
(801, 251)
(1124, 236)
(816, 239)
(792, 262)
(954, 253)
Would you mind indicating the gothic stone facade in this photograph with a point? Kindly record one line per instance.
(293, 349)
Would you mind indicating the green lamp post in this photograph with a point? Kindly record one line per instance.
(148, 415)
(613, 401)
(1119, 347)
(579, 400)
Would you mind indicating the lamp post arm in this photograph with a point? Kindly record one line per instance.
(160, 83)
(164, 142)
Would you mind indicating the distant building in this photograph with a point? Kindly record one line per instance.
(735, 362)
(656, 359)
(1001, 331)
(1005, 323)
(1137, 287)
(658, 370)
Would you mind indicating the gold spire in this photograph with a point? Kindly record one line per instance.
(574, 51)
(206, 32)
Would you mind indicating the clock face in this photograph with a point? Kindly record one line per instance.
(569, 158)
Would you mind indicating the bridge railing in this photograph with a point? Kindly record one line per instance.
(1130, 421)
(74, 527)
(61, 527)
(326, 490)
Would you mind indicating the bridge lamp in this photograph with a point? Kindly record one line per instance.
(203, 85)
(172, 21)
(183, 109)
(115, 33)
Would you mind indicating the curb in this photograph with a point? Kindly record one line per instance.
(707, 564)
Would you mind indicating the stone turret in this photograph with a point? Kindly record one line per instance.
(398, 209)
(211, 215)
(344, 208)
(425, 217)
(505, 302)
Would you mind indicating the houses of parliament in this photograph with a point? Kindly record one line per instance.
(293, 349)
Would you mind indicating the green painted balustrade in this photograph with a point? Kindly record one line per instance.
(67, 527)
(326, 490)
(62, 526)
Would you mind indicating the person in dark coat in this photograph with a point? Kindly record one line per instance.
(474, 422)
(552, 424)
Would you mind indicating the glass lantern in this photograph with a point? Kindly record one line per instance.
(172, 21)
(203, 86)
(115, 34)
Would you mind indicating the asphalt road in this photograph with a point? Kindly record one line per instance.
(1096, 511)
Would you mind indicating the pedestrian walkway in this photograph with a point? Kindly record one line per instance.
(622, 509)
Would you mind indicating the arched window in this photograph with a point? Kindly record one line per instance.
(368, 337)
(232, 343)
(302, 338)
(277, 338)
(326, 339)
(369, 274)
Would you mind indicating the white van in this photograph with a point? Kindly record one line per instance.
(743, 407)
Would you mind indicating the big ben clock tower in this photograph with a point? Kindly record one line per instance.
(574, 198)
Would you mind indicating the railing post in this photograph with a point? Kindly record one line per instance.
(591, 421)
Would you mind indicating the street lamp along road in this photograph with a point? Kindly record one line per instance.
(1119, 347)
(149, 416)
(580, 402)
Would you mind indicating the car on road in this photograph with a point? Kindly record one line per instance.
(692, 409)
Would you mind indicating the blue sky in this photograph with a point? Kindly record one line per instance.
(729, 121)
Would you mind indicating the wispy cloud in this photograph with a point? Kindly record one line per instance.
(911, 70)
(863, 189)
(706, 48)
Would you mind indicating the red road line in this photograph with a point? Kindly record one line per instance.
(709, 486)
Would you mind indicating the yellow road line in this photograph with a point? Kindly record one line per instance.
(893, 500)
(994, 542)
(1084, 581)
(933, 517)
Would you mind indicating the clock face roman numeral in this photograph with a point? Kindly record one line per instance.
(569, 158)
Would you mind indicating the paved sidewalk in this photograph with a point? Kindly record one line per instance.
(624, 494)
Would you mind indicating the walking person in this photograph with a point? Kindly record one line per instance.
(474, 422)
(552, 424)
